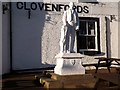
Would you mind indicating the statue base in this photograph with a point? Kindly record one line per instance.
(68, 64)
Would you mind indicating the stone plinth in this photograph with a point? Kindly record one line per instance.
(69, 64)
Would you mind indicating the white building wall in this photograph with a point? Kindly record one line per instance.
(119, 29)
(50, 38)
(51, 34)
(114, 39)
(87, 0)
(60, 1)
(5, 42)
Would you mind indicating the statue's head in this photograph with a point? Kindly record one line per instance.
(71, 5)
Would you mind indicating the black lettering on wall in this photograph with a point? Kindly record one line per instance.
(50, 7)
(25, 6)
(60, 7)
(47, 7)
(66, 7)
(19, 5)
(33, 6)
(79, 9)
(4, 8)
(55, 7)
(86, 9)
(41, 6)
(29, 14)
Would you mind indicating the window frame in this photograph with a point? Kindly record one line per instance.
(96, 34)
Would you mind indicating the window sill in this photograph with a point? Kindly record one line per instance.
(90, 53)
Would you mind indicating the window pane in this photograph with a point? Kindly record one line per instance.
(82, 42)
(91, 42)
(83, 27)
(91, 28)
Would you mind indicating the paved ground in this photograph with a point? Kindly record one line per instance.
(27, 81)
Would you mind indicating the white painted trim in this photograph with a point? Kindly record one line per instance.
(96, 38)
(88, 50)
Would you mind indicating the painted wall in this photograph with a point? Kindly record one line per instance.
(87, 0)
(51, 34)
(5, 42)
(37, 38)
(119, 29)
(60, 1)
(114, 39)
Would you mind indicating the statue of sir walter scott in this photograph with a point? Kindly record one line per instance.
(68, 30)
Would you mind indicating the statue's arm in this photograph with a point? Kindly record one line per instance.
(64, 18)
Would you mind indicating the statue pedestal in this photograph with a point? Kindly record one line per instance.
(68, 64)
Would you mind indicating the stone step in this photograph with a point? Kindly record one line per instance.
(70, 77)
(69, 81)
(50, 83)
(80, 83)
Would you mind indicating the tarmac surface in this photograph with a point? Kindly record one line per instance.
(21, 81)
(28, 81)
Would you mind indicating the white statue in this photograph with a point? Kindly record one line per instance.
(68, 30)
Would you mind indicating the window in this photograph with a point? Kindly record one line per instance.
(88, 35)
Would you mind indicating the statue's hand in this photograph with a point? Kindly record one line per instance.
(66, 24)
(71, 23)
(77, 29)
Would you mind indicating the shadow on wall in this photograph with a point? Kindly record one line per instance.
(27, 30)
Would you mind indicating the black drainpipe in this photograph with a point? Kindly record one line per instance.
(107, 38)
(10, 37)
